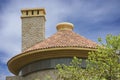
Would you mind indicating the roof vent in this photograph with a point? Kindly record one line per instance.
(65, 26)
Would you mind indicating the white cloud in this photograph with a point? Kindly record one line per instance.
(2, 76)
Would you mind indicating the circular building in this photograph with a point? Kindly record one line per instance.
(40, 56)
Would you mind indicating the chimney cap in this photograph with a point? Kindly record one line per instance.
(33, 12)
(33, 9)
(65, 26)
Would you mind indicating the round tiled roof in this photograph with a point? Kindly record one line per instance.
(64, 43)
(65, 37)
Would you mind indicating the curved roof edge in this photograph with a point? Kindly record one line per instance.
(19, 61)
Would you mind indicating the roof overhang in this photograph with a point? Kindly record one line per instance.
(16, 63)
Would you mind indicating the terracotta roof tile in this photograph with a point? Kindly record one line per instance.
(64, 38)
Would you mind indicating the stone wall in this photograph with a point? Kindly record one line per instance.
(14, 78)
(33, 31)
(40, 75)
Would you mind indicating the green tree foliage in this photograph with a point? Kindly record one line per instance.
(102, 64)
(105, 61)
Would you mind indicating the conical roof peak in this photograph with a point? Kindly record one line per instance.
(64, 38)
(65, 26)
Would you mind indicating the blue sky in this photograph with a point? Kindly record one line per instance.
(91, 18)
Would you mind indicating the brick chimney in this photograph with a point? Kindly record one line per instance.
(33, 27)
